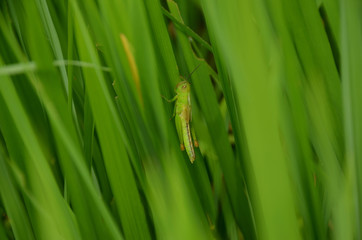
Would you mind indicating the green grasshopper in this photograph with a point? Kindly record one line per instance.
(183, 117)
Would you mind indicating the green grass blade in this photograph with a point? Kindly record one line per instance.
(245, 49)
(15, 208)
(109, 130)
(43, 185)
(351, 23)
(186, 30)
(88, 150)
(207, 99)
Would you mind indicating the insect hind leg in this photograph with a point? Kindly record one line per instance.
(196, 143)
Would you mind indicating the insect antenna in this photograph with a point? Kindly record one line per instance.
(189, 77)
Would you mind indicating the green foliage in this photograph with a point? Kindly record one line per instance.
(87, 150)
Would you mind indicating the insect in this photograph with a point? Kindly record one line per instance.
(183, 117)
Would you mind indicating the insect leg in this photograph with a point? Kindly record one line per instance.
(174, 113)
(196, 143)
(179, 132)
(169, 100)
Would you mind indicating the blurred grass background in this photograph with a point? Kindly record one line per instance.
(87, 150)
